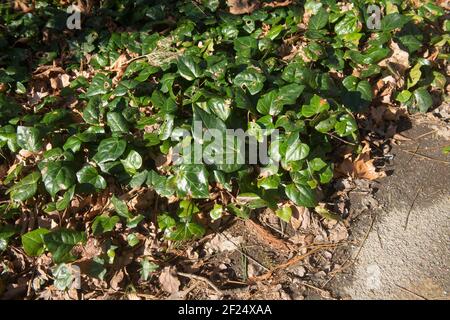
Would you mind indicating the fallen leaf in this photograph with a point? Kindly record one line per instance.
(338, 233)
(398, 62)
(169, 281)
(119, 67)
(221, 243)
(276, 4)
(301, 218)
(360, 168)
(116, 280)
(242, 6)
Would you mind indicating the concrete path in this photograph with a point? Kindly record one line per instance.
(407, 253)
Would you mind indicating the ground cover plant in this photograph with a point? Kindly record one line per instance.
(90, 117)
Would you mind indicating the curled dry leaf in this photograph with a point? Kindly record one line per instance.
(242, 6)
(24, 5)
(360, 168)
(119, 67)
(301, 218)
(116, 280)
(338, 233)
(221, 243)
(398, 63)
(169, 281)
(276, 4)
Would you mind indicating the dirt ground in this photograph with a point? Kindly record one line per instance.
(405, 251)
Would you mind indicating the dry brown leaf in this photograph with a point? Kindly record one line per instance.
(301, 218)
(338, 233)
(119, 67)
(242, 6)
(276, 4)
(60, 81)
(116, 280)
(223, 242)
(400, 137)
(444, 4)
(399, 61)
(169, 281)
(24, 6)
(361, 168)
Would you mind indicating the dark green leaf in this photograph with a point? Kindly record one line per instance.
(301, 195)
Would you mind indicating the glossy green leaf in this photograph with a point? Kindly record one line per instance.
(25, 188)
(29, 138)
(88, 174)
(319, 20)
(251, 79)
(61, 242)
(57, 176)
(33, 242)
(188, 68)
(110, 149)
(104, 224)
(301, 195)
(192, 180)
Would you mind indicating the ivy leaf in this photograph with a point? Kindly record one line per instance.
(296, 150)
(88, 174)
(121, 207)
(393, 21)
(184, 231)
(100, 84)
(210, 121)
(284, 213)
(220, 107)
(251, 79)
(267, 103)
(61, 242)
(91, 114)
(346, 126)
(192, 180)
(187, 209)
(404, 96)
(319, 20)
(317, 164)
(188, 68)
(166, 127)
(6, 232)
(63, 277)
(301, 195)
(132, 162)
(326, 125)
(147, 267)
(63, 203)
(288, 94)
(110, 149)
(216, 212)
(423, 100)
(25, 188)
(316, 105)
(245, 46)
(296, 72)
(349, 24)
(33, 242)
(270, 182)
(116, 122)
(29, 138)
(56, 176)
(104, 224)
